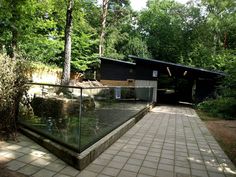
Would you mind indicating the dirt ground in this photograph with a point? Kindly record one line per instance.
(225, 133)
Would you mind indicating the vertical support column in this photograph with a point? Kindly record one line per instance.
(80, 117)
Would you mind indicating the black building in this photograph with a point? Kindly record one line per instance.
(116, 72)
(173, 82)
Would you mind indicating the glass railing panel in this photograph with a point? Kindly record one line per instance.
(57, 113)
(52, 111)
(112, 107)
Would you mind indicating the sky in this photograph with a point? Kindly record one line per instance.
(140, 4)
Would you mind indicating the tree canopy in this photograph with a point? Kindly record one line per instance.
(199, 33)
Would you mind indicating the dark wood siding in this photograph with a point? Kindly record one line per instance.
(116, 70)
(144, 71)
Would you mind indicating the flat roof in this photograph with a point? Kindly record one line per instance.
(119, 61)
(177, 65)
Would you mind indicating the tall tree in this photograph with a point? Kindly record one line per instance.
(103, 26)
(67, 48)
(12, 18)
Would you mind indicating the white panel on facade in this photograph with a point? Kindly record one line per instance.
(148, 83)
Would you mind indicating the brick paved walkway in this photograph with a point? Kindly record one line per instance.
(167, 142)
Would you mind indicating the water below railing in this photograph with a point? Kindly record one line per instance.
(78, 117)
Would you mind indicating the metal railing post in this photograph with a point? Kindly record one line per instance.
(80, 117)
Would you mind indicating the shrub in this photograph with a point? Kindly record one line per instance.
(12, 86)
(225, 105)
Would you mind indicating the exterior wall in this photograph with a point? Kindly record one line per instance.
(128, 82)
(52, 76)
(148, 83)
(144, 71)
(115, 70)
(46, 76)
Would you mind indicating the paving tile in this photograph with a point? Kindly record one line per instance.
(25, 142)
(212, 174)
(112, 152)
(120, 159)
(138, 156)
(164, 173)
(147, 171)
(4, 151)
(40, 162)
(13, 155)
(125, 154)
(132, 168)
(142, 152)
(197, 166)
(152, 158)
(182, 170)
(37, 153)
(86, 173)
(15, 165)
(102, 175)
(101, 161)
(110, 171)
(143, 175)
(49, 157)
(182, 163)
(4, 160)
(167, 161)
(95, 168)
(44, 173)
(14, 147)
(106, 156)
(166, 167)
(59, 161)
(61, 175)
(70, 171)
(34, 146)
(55, 166)
(29, 169)
(199, 173)
(135, 162)
(142, 148)
(124, 173)
(24, 150)
(116, 164)
(150, 164)
(27, 158)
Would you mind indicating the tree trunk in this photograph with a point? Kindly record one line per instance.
(225, 41)
(67, 49)
(104, 18)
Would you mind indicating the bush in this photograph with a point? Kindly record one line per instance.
(12, 86)
(225, 105)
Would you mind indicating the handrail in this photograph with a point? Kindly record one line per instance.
(79, 87)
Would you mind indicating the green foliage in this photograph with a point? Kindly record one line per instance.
(162, 26)
(12, 86)
(222, 107)
(199, 34)
(40, 26)
(121, 37)
(225, 105)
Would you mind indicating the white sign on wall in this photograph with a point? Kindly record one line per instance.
(154, 73)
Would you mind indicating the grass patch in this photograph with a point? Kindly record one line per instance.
(207, 116)
(222, 107)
